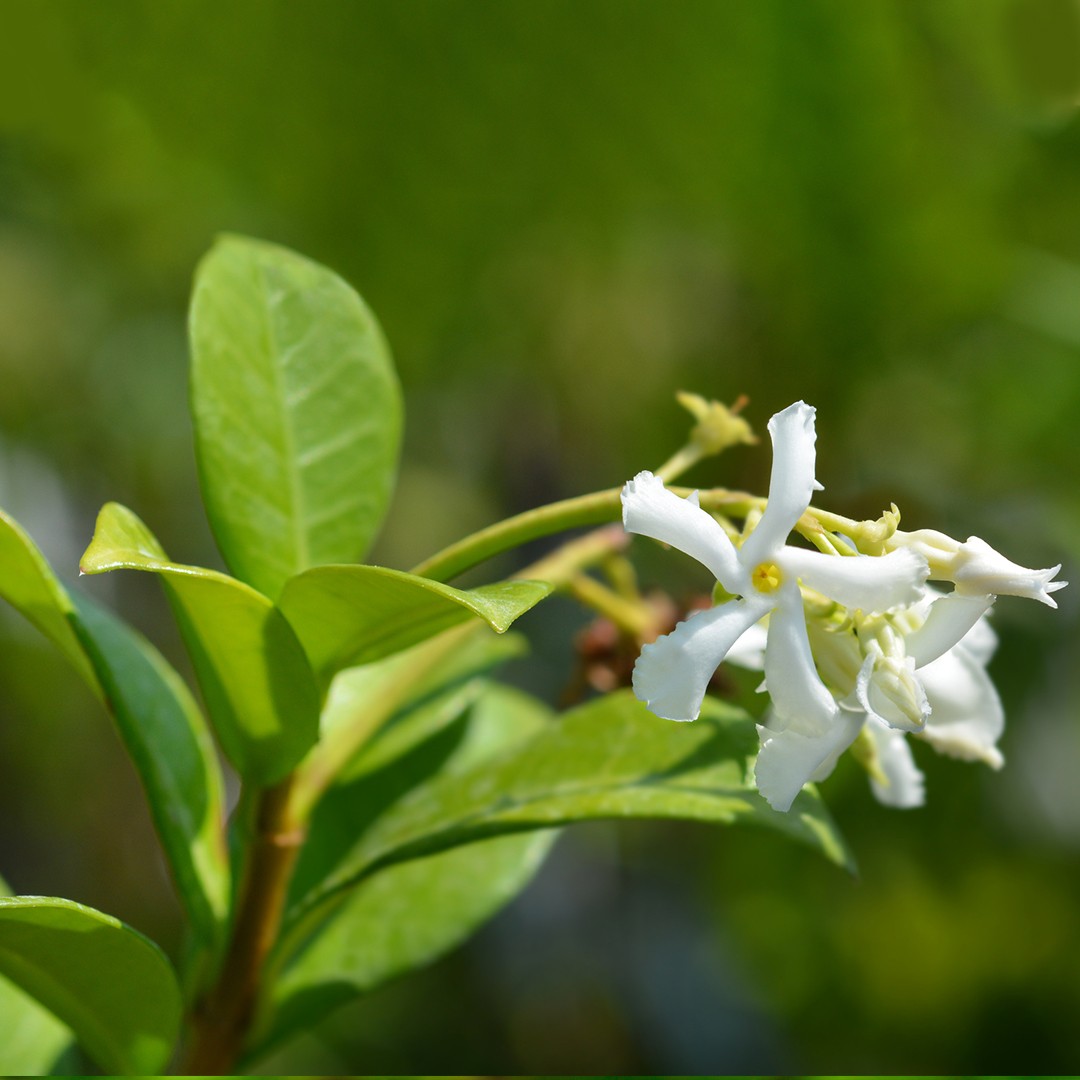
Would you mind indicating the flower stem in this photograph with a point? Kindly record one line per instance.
(223, 1018)
(593, 509)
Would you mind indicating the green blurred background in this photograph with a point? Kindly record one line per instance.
(562, 212)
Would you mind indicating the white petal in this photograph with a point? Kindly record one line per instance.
(788, 759)
(906, 785)
(948, 621)
(978, 568)
(980, 642)
(791, 484)
(673, 672)
(749, 650)
(861, 582)
(967, 718)
(800, 699)
(649, 509)
(889, 691)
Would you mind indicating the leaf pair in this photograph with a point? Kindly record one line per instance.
(263, 668)
(155, 715)
(297, 417)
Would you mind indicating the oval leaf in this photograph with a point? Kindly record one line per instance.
(109, 984)
(608, 759)
(350, 615)
(297, 412)
(157, 719)
(410, 914)
(258, 686)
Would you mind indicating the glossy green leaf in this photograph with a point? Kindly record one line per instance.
(157, 719)
(256, 681)
(411, 712)
(351, 615)
(608, 759)
(170, 746)
(28, 584)
(297, 412)
(386, 690)
(33, 1038)
(409, 914)
(109, 984)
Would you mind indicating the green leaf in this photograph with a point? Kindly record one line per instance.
(414, 723)
(409, 914)
(608, 759)
(33, 1037)
(170, 746)
(29, 585)
(157, 719)
(297, 412)
(256, 681)
(109, 984)
(352, 615)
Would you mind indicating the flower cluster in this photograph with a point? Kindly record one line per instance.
(856, 647)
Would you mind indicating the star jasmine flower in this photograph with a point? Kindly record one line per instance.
(975, 567)
(938, 653)
(966, 720)
(764, 574)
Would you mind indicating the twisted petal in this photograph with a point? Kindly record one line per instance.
(861, 582)
(889, 691)
(672, 674)
(791, 484)
(967, 718)
(978, 568)
(788, 759)
(649, 509)
(980, 642)
(800, 699)
(950, 620)
(905, 785)
(749, 650)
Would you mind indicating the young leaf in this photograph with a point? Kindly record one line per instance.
(109, 984)
(28, 584)
(410, 914)
(297, 412)
(352, 615)
(157, 719)
(608, 759)
(413, 725)
(258, 687)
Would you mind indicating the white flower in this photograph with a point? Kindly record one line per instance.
(672, 673)
(966, 720)
(976, 568)
(944, 653)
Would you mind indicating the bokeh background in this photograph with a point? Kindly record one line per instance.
(562, 212)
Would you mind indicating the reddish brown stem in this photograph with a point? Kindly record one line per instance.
(224, 1016)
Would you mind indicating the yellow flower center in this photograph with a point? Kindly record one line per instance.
(767, 577)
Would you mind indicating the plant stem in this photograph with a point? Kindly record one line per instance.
(224, 1016)
(593, 509)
